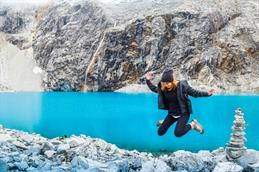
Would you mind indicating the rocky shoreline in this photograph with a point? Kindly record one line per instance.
(21, 151)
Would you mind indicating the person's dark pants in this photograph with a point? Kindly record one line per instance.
(181, 126)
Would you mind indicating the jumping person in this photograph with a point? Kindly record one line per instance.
(173, 96)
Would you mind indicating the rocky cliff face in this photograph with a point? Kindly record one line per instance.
(11, 23)
(65, 42)
(100, 46)
(212, 43)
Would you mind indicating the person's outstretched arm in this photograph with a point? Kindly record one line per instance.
(151, 86)
(197, 93)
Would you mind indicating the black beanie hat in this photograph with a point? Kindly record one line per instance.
(167, 76)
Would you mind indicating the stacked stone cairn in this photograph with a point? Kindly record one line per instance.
(236, 146)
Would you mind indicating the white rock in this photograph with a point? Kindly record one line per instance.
(83, 136)
(27, 138)
(17, 159)
(22, 166)
(250, 157)
(34, 150)
(19, 144)
(46, 166)
(118, 165)
(184, 160)
(161, 166)
(156, 166)
(14, 154)
(93, 163)
(55, 142)
(148, 167)
(63, 147)
(36, 161)
(73, 143)
(227, 167)
(49, 153)
(23, 156)
(76, 141)
(206, 157)
(47, 146)
(219, 155)
(255, 166)
(5, 138)
(80, 161)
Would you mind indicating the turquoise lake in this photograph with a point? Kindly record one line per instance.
(127, 120)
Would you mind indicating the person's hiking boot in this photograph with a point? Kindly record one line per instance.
(197, 126)
(159, 123)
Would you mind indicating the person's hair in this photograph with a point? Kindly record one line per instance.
(174, 85)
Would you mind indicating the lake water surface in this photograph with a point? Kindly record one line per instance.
(127, 120)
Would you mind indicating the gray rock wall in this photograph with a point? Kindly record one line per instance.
(213, 43)
(11, 23)
(65, 41)
(108, 46)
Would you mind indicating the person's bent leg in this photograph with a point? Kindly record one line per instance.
(168, 121)
(182, 127)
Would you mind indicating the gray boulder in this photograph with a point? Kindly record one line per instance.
(79, 162)
(227, 167)
(182, 160)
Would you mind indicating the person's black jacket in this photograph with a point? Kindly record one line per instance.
(183, 90)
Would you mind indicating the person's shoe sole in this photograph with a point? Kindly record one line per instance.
(199, 126)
